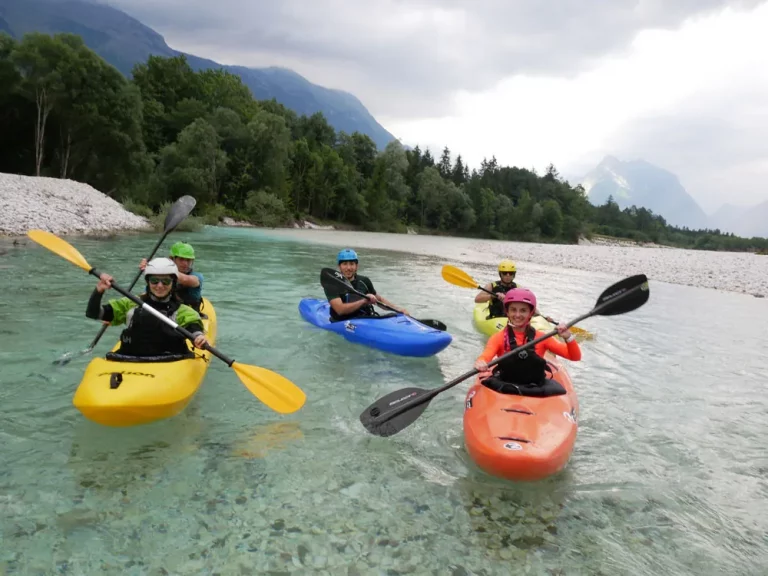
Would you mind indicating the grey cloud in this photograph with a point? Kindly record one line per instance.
(404, 58)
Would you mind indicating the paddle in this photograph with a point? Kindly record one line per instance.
(274, 390)
(394, 412)
(180, 210)
(333, 278)
(458, 277)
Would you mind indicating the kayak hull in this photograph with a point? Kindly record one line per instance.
(399, 334)
(486, 326)
(521, 438)
(147, 391)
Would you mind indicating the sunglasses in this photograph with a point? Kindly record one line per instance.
(507, 273)
(156, 280)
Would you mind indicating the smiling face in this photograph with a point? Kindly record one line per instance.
(348, 268)
(519, 314)
(160, 285)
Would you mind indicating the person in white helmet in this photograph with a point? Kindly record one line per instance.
(146, 335)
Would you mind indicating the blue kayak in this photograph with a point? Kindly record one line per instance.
(398, 334)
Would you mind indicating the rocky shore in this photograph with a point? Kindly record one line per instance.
(741, 272)
(60, 206)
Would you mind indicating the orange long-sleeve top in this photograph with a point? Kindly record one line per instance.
(495, 346)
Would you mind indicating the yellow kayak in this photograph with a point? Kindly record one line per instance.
(489, 327)
(115, 393)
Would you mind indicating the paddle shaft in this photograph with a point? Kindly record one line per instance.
(389, 414)
(356, 291)
(184, 332)
(136, 279)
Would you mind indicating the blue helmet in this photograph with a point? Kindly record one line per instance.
(346, 255)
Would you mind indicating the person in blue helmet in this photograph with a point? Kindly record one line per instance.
(345, 305)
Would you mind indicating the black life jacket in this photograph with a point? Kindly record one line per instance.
(524, 368)
(496, 306)
(368, 310)
(146, 335)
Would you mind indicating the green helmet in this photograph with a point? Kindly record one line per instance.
(182, 250)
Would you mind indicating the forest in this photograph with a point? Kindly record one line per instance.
(169, 131)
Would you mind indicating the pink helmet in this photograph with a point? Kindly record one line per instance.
(520, 295)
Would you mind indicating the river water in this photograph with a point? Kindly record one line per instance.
(668, 475)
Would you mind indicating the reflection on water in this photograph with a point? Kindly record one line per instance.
(668, 474)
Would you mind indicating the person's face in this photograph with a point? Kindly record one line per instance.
(349, 269)
(507, 277)
(160, 285)
(184, 264)
(518, 314)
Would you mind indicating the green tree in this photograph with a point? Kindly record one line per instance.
(551, 223)
(38, 59)
(193, 165)
(445, 166)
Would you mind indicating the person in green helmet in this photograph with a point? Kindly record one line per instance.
(189, 283)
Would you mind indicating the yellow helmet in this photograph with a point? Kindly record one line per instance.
(507, 266)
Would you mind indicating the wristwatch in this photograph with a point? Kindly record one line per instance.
(571, 338)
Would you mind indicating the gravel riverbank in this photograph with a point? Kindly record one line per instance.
(60, 206)
(742, 272)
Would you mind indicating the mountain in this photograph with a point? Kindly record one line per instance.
(746, 221)
(644, 185)
(124, 41)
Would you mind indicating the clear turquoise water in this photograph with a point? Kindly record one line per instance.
(668, 474)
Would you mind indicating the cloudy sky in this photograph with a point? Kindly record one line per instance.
(680, 83)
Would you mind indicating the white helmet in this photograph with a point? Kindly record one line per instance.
(161, 266)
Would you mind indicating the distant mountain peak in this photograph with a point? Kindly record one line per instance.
(123, 41)
(609, 162)
(642, 184)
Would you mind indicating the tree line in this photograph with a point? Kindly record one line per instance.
(169, 131)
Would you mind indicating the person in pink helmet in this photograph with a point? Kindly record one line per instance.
(527, 367)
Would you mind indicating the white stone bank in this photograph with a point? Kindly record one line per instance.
(60, 206)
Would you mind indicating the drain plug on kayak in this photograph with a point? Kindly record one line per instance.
(115, 379)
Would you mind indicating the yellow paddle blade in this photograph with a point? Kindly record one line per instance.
(274, 390)
(581, 334)
(60, 247)
(457, 277)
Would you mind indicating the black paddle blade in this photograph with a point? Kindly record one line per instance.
(180, 210)
(624, 296)
(436, 324)
(374, 418)
(330, 277)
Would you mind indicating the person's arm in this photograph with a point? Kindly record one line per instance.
(484, 296)
(379, 298)
(113, 312)
(388, 303)
(494, 347)
(188, 318)
(96, 311)
(345, 308)
(189, 280)
(569, 349)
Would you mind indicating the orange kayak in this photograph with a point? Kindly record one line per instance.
(521, 437)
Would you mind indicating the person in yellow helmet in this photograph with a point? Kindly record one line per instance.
(506, 282)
